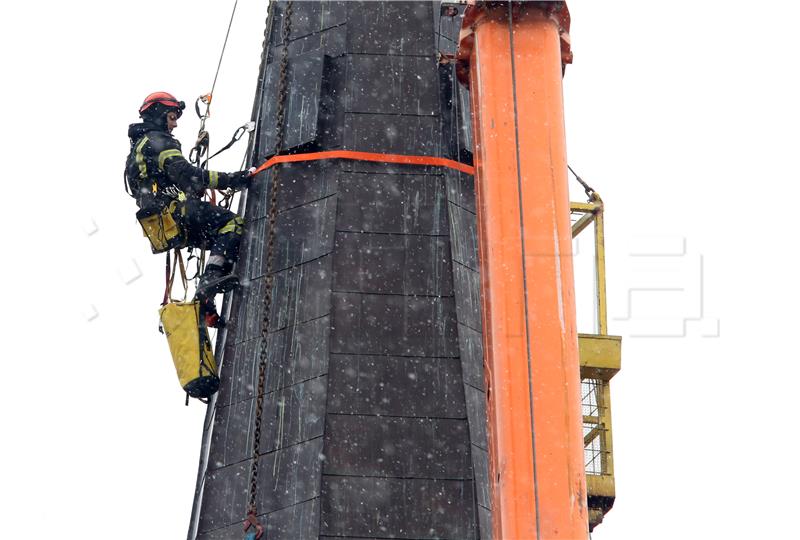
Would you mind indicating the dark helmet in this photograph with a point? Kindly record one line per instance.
(159, 103)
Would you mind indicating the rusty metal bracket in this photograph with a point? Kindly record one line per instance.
(257, 528)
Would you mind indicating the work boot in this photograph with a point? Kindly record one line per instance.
(210, 316)
(214, 281)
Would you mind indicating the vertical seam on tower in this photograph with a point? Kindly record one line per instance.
(524, 268)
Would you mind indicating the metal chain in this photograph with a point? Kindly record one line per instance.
(280, 126)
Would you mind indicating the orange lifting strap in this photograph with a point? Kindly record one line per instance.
(368, 156)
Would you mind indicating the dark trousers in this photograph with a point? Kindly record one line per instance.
(211, 227)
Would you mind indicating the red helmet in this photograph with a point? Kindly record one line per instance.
(164, 98)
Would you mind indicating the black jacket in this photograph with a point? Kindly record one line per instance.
(156, 171)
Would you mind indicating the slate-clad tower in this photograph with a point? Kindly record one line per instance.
(374, 422)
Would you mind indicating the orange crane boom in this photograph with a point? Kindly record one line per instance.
(515, 52)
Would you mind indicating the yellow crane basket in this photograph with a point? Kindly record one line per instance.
(190, 347)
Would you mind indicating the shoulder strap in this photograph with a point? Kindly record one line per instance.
(170, 278)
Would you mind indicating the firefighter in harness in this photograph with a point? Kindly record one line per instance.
(169, 190)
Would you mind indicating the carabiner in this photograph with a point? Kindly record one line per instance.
(245, 128)
(200, 147)
(206, 100)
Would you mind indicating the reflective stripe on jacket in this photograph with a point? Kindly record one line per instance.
(157, 172)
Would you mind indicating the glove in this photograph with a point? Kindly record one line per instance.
(236, 180)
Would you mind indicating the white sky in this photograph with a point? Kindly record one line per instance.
(683, 115)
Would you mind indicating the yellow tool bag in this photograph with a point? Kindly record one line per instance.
(190, 347)
(160, 227)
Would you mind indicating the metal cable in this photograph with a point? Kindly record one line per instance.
(280, 126)
(586, 187)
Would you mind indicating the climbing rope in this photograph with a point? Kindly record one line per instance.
(201, 144)
(280, 129)
(221, 54)
(206, 99)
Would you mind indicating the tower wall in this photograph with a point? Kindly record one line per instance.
(374, 422)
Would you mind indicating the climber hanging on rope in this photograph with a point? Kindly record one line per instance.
(169, 191)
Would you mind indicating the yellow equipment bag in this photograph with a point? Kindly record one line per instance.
(190, 348)
(160, 227)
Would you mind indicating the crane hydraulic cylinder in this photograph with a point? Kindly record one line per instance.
(514, 54)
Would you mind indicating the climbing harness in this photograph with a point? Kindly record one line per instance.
(280, 129)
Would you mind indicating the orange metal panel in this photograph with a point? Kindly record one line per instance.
(525, 246)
